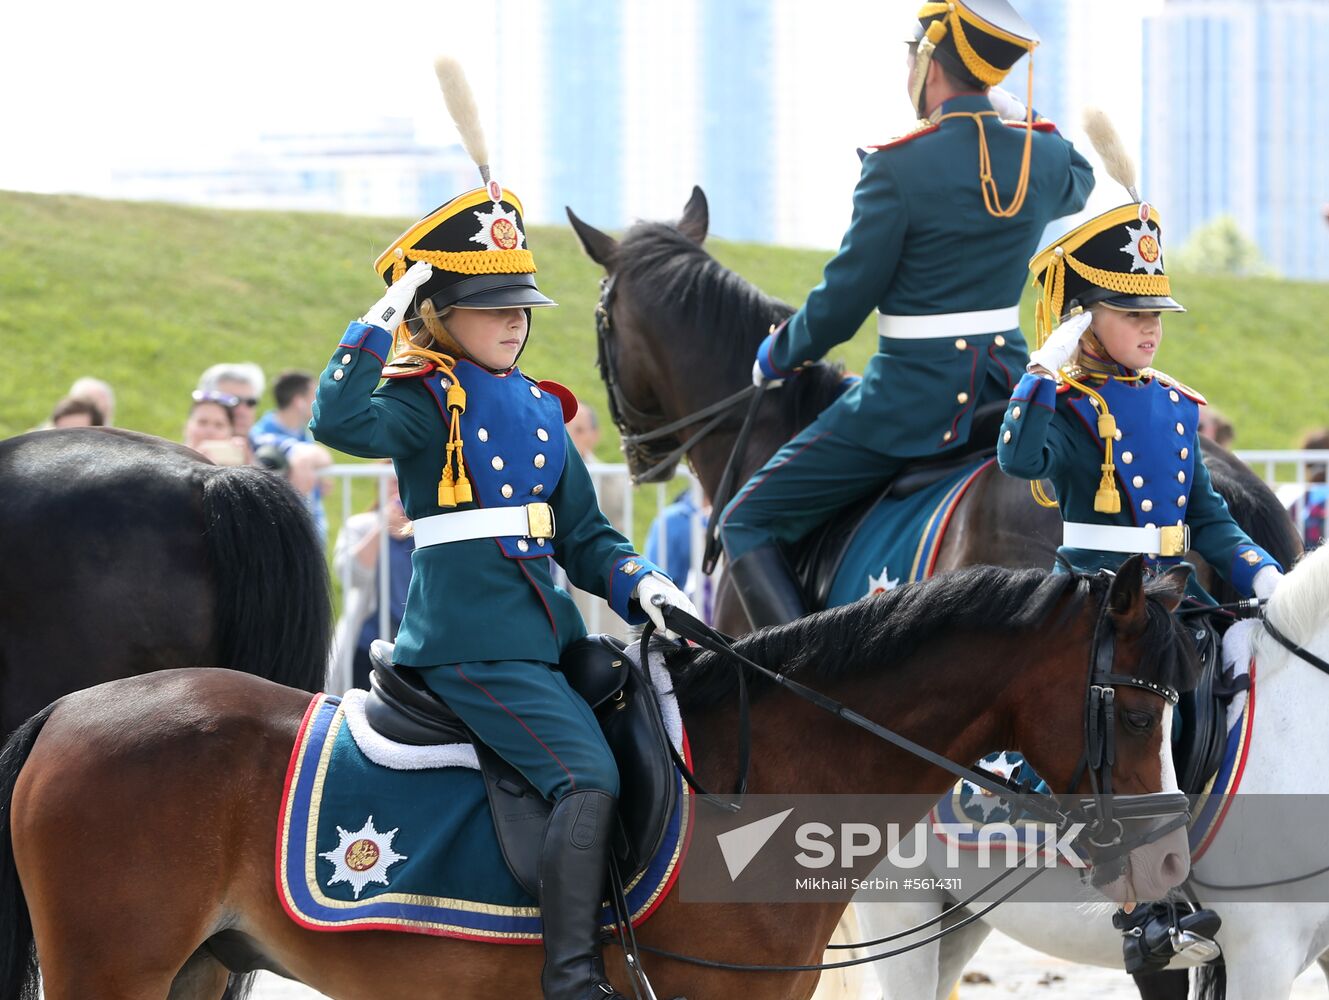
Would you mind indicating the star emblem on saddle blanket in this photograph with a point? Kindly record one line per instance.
(498, 229)
(362, 857)
(883, 583)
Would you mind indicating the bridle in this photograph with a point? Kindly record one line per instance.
(657, 449)
(1104, 811)
(1101, 815)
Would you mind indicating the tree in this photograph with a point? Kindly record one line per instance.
(1220, 247)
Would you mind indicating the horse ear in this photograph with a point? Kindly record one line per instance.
(1126, 596)
(1170, 588)
(696, 217)
(600, 247)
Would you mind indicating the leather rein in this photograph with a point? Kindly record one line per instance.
(1100, 815)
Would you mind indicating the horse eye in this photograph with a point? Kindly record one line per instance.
(1140, 722)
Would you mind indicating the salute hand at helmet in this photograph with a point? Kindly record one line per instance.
(1059, 348)
(390, 310)
(1008, 107)
(657, 592)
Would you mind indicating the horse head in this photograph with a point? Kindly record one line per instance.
(1139, 659)
(676, 333)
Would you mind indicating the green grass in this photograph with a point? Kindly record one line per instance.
(148, 295)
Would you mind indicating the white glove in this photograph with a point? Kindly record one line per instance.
(1008, 107)
(390, 310)
(1060, 347)
(759, 378)
(1266, 582)
(656, 592)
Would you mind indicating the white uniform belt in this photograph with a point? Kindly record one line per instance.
(965, 324)
(1172, 540)
(532, 520)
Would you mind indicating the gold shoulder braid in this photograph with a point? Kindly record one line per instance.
(453, 487)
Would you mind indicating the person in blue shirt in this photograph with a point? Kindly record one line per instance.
(937, 247)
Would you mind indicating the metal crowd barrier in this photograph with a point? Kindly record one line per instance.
(1291, 474)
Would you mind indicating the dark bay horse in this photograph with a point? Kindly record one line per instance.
(122, 553)
(137, 839)
(683, 331)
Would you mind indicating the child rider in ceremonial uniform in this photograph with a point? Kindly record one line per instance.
(495, 489)
(1118, 439)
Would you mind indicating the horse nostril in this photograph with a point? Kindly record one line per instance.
(1175, 868)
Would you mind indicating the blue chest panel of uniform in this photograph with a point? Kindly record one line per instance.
(1154, 457)
(514, 444)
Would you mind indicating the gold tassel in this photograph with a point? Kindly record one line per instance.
(1106, 500)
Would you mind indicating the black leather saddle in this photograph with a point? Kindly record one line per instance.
(817, 558)
(401, 708)
(1202, 713)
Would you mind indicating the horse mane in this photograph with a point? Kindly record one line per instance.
(869, 635)
(1297, 608)
(678, 283)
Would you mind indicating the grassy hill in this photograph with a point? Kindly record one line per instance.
(148, 295)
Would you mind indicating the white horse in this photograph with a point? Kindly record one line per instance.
(1266, 943)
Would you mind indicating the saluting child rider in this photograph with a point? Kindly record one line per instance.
(1119, 441)
(495, 489)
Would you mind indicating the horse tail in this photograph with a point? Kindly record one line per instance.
(18, 950)
(1211, 981)
(274, 610)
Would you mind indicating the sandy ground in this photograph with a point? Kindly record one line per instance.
(1011, 968)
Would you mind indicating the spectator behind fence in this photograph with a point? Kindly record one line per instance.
(1216, 427)
(74, 412)
(356, 557)
(305, 464)
(669, 544)
(99, 394)
(244, 381)
(288, 425)
(210, 429)
(1308, 513)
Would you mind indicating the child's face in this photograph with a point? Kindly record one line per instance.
(492, 337)
(1130, 338)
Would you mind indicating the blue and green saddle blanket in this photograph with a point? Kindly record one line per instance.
(408, 843)
(966, 808)
(899, 540)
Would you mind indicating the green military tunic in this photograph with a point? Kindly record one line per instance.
(946, 277)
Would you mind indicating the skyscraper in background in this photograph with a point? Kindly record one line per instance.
(698, 79)
(1236, 123)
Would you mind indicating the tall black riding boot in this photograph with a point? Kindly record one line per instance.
(573, 873)
(766, 586)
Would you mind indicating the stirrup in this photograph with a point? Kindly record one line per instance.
(1156, 934)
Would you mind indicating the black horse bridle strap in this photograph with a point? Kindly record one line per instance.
(728, 486)
(1292, 647)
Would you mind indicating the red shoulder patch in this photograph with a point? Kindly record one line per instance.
(905, 138)
(1042, 125)
(1063, 387)
(565, 397)
(395, 371)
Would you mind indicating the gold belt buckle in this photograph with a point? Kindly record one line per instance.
(539, 521)
(1174, 539)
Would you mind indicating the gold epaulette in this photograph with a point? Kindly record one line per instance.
(407, 367)
(1165, 379)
